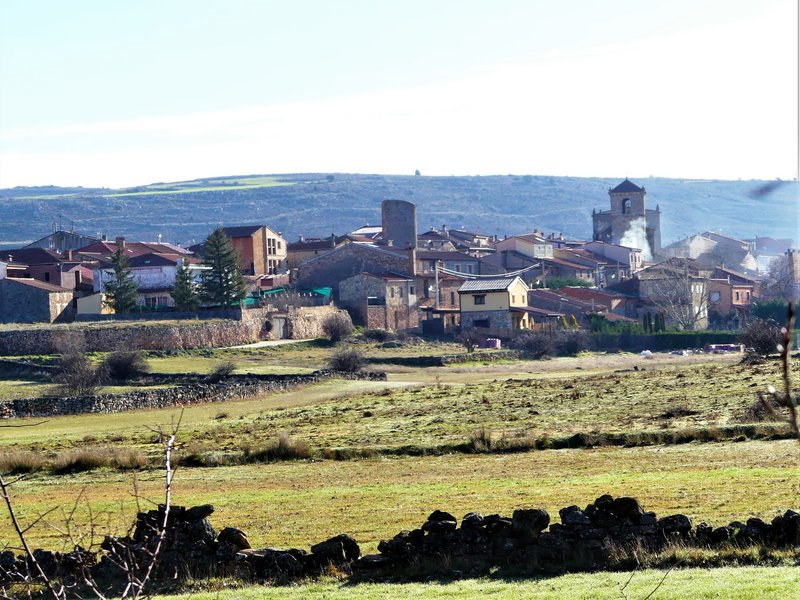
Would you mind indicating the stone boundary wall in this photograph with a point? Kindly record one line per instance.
(252, 325)
(181, 395)
(11, 369)
(446, 359)
(585, 540)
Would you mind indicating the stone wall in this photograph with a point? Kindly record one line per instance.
(306, 322)
(181, 395)
(446, 359)
(109, 337)
(595, 538)
(251, 325)
(498, 319)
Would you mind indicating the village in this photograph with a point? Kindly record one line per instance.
(440, 281)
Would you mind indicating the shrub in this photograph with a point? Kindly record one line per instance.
(283, 448)
(78, 460)
(21, 461)
(125, 365)
(77, 375)
(377, 335)
(337, 326)
(570, 343)
(221, 371)
(480, 440)
(758, 412)
(762, 335)
(349, 361)
(534, 344)
(127, 458)
(468, 340)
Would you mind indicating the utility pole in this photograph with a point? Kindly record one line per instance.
(436, 275)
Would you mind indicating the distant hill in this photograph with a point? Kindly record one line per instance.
(319, 204)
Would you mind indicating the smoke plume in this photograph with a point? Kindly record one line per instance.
(636, 237)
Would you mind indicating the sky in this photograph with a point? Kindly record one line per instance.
(113, 94)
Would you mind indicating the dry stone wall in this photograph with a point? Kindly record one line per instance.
(181, 395)
(585, 539)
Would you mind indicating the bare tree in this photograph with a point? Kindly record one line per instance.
(780, 283)
(679, 290)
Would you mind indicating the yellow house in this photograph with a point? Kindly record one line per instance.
(497, 303)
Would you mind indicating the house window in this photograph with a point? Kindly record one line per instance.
(481, 323)
(391, 292)
(737, 295)
(411, 291)
(452, 298)
(401, 291)
(748, 295)
(626, 206)
(714, 296)
(469, 268)
(479, 298)
(47, 276)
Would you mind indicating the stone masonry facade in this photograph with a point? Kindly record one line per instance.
(498, 319)
(22, 303)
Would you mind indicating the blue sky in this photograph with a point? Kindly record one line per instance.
(123, 93)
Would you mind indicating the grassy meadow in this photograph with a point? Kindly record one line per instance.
(750, 583)
(300, 502)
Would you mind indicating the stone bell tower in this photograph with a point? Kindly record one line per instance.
(629, 222)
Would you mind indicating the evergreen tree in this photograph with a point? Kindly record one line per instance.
(121, 290)
(222, 284)
(185, 292)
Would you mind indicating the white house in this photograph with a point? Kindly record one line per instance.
(154, 275)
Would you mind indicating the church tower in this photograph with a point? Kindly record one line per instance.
(629, 222)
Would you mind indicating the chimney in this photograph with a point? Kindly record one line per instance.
(120, 240)
(70, 254)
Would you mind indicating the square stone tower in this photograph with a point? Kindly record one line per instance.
(629, 221)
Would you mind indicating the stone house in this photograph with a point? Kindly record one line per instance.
(25, 300)
(495, 303)
(329, 268)
(381, 300)
(307, 248)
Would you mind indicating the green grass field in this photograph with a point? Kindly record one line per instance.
(298, 503)
(755, 583)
